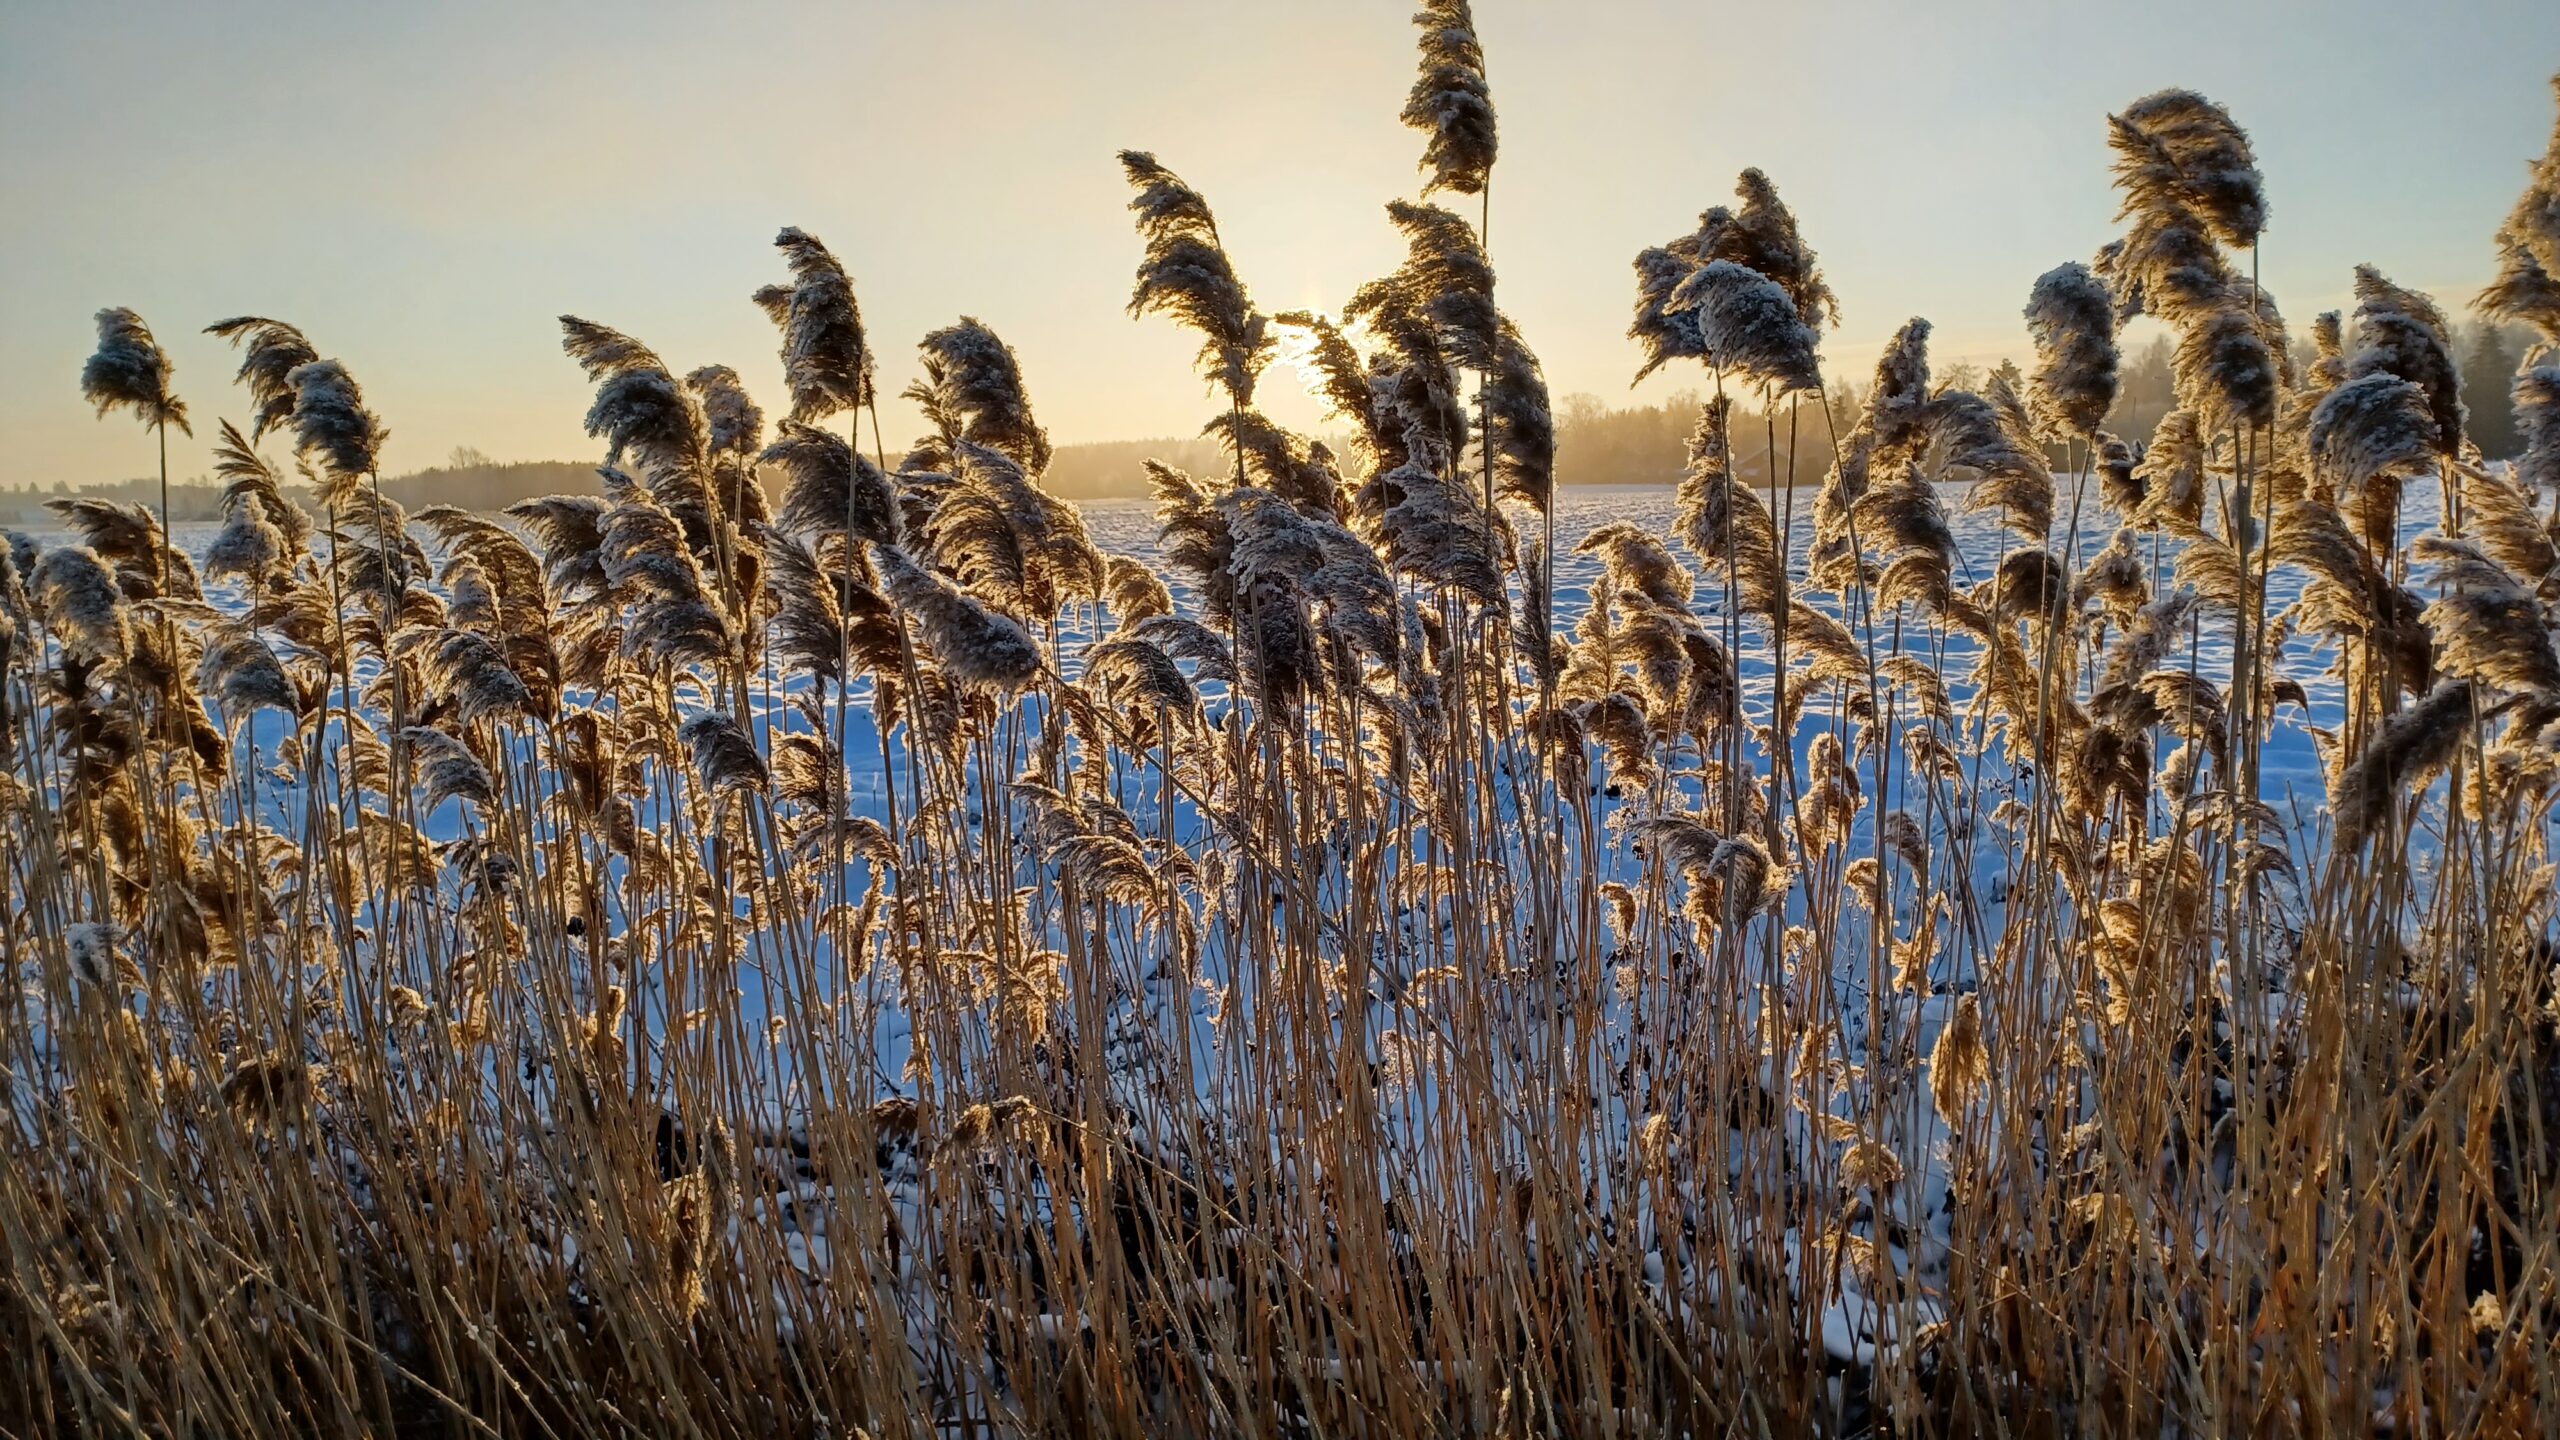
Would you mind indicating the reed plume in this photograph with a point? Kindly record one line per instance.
(735, 421)
(129, 371)
(1187, 639)
(2527, 287)
(1437, 529)
(1763, 236)
(2166, 266)
(1959, 1064)
(1197, 540)
(642, 557)
(972, 391)
(2537, 402)
(2488, 626)
(1993, 437)
(2376, 427)
(2401, 332)
(1637, 562)
(1450, 102)
(2175, 146)
(1297, 469)
(447, 770)
(2411, 748)
(1186, 274)
(2071, 318)
(249, 546)
(1520, 427)
(465, 675)
(271, 351)
(1749, 324)
(2172, 475)
(1666, 331)
(1724, 524)
(1139, 676)
(2522, 291)
(1342, 378)
(242, 674)
(130, 538)
(2498, 513)
(1731, 877)
(640, 410)
(2226, 372)
(249, 480)
(982, 647)
(1897, 409)
(807, 630)
(725, 757)
(1445, 279)
(826, 357)
(331, 425)
(827, 484)
(570, 530)
(2149, 639)
(79, 600)
(1133, 591)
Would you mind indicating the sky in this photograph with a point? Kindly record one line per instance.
(423, 188)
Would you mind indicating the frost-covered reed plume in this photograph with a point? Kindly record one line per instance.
(335, 433)
(2071, 318)
(972, 393)
(2527, 287)
(1520, 425)
(2190, 186)
(640, 411)
(1438, 310)
(981, 646)
(129, 371)
(2176, 149)
(1684, 314)
(2527, 290)
(77, 596)
(1450, 102)
(826, 355)
(1185, 273)
(333, 429)
(270, 351)
(264, 534)
(2403, 334)
(1749, 325)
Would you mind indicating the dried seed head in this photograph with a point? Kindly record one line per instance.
(129, 371)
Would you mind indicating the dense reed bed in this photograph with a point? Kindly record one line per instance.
(806, 944)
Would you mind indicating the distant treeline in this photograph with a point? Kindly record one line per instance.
(1649, 444)
(479, 484)
(1596, 444)
(2486, 352)
(471, 481)
(1118, 467)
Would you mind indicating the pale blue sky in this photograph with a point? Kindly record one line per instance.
(424, 187)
